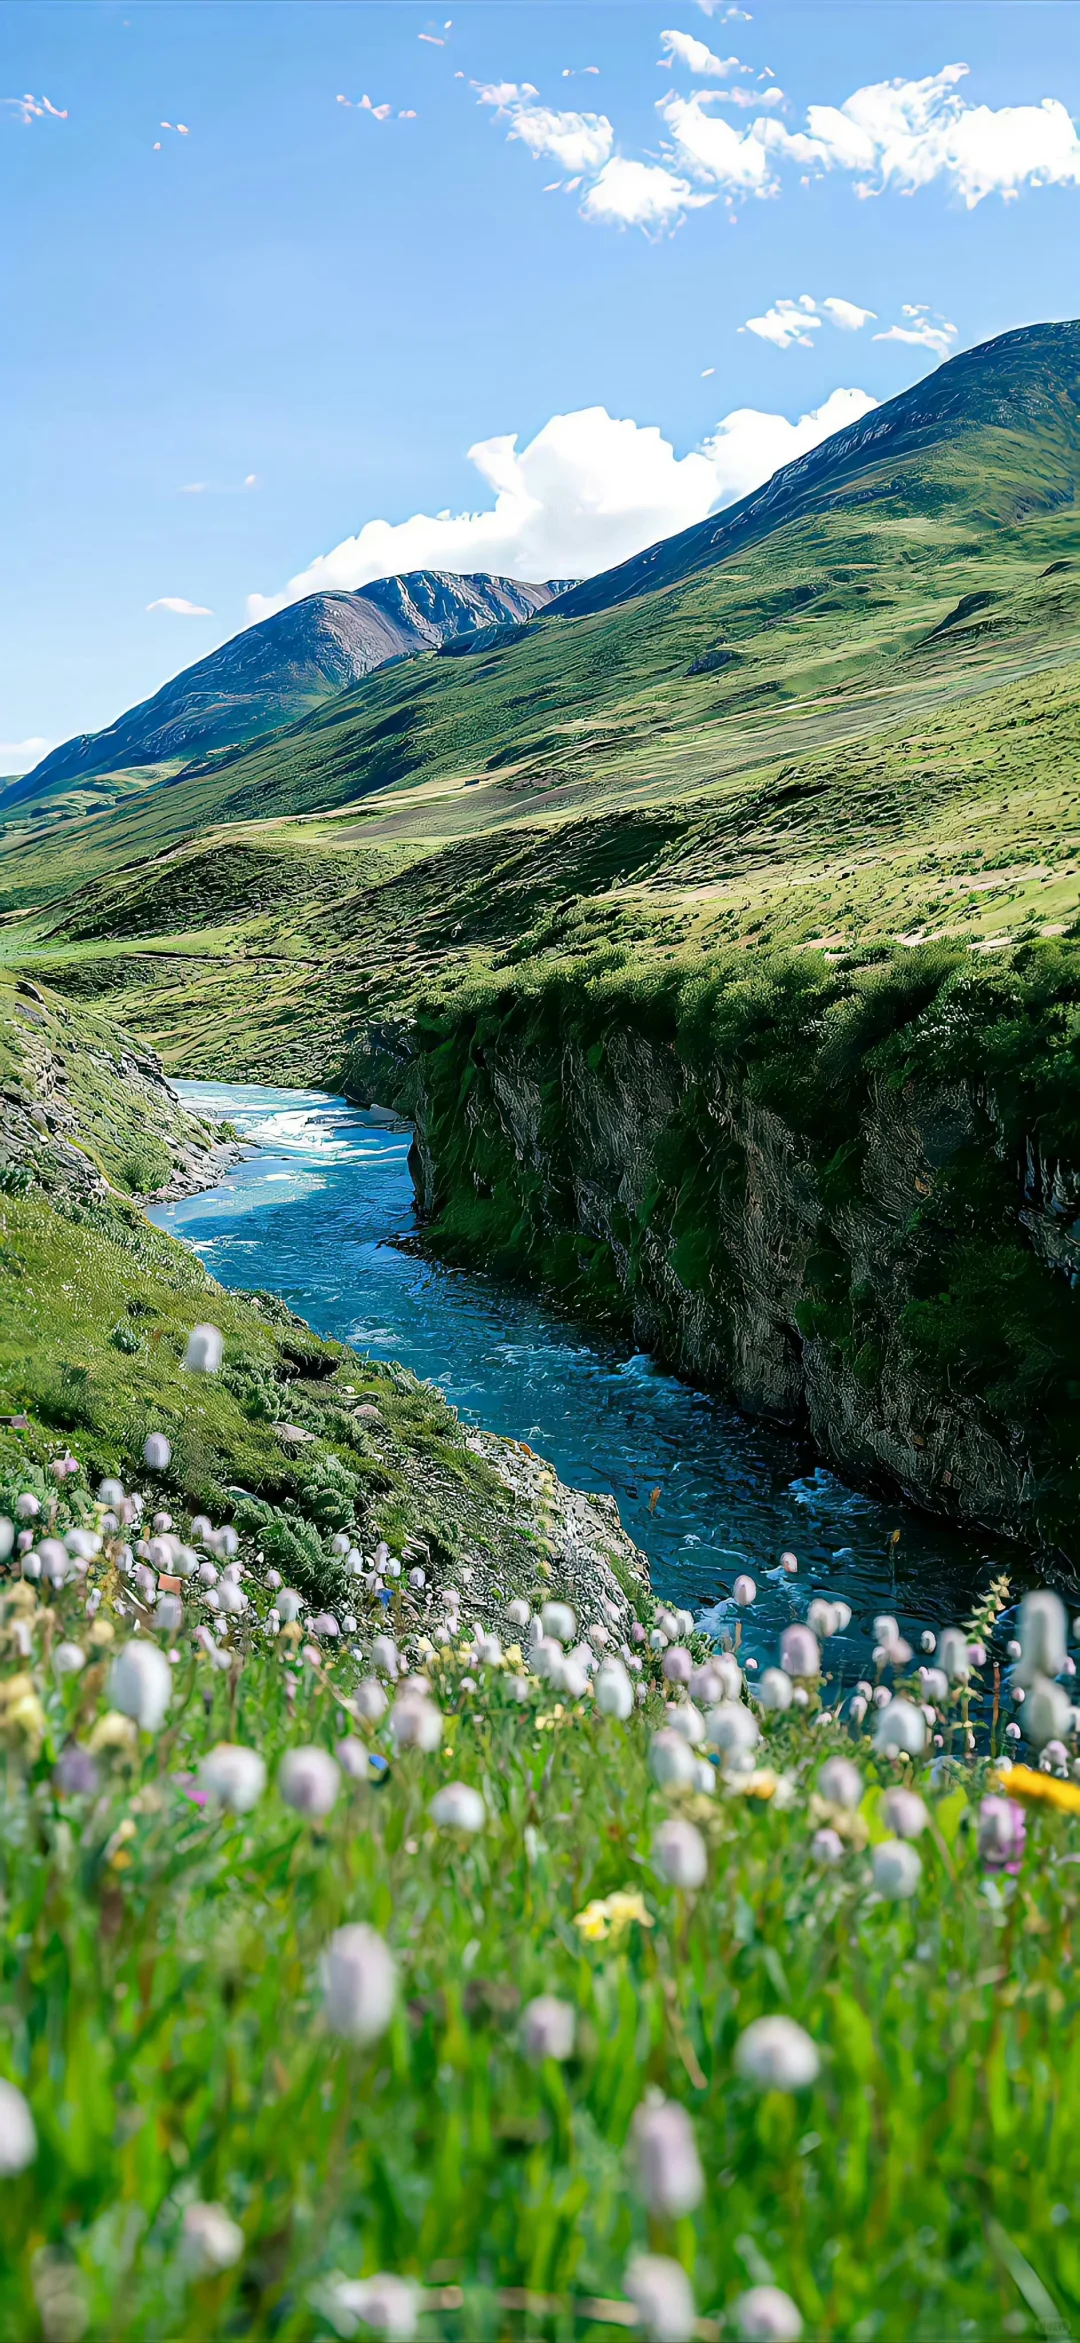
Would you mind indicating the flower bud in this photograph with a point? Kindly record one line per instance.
(718, 1679)
(76, 1774)
(775, 1689)
(308, 1780)
(18, 2139)
(777, 2054)
(677, 1665)
(157, 1452)
(369, 1700)
(204, 1349)
(518, 1612)
(547, 2029)
(827, 1848)
(897, 1869)
(799, 1654)
(235, 1775)
(140, 1685)
(900, 1729)
(68, 1659)
(359, 1980)
(684, 1718)
(1002, 1833)
(952, 1655)
(614, 1691)
(352, 1757)
(840, 1782)
(766, 2315)
(660, 2290)
(1042, 1629)
(905, 1813)
(731, 1728)
(1047, 1712)
(416, 1723)
(385, 1656)
(822, 1618)
(557, 1620)
(385, 2304)
(744, 1591)
(670, 2177)
(789, 1564)
(457, 1807)
(671, 1760)
(210, 2241)
(678, 1853)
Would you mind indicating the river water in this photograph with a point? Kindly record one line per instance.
(318, 1214)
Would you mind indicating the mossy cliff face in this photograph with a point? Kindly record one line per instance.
(846, 1197)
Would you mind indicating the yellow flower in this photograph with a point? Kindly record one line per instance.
(1036, 1789)
(21, 1710)
(593, 1922)
(112, 1731)
(612, 1915)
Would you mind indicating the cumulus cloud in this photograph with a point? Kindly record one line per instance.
(577, 142)
(179, 607)
(846, 314)
(789, 323)
(640, 195)
(904, 134)
(713, 150)
(20, 756)
(589, 490)
(683, 49)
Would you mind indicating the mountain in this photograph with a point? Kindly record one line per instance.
(947, 440)
(284, 667)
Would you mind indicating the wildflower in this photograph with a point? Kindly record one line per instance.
(1042, 1632)
(389, 2305)
(359, 1981)
(68, 1658)
(670, 2177)
(897, 1869)
(614, 1691)
(18, 2139)
(684, 1718)
(827, 1848)
(677, 1665)
(27, 1506)
(612, 1915)
(1002, 1832)
(416, 1723)
(905, 1813)
(140, 1685)
(1047, 1711)
(558, 1621)
(326, 1625)
(518, 1612)
(660, 2290)
(799, 1653)
(671, 1761)
(204, 1349)
(766, 2315)
(157, 1452)
(234, 1775)
(718, 1679)
(678, 1853)
(1041, 1789)
(288, 1606)
(385, 1656)
(210, 2240)
(547, 2028)
(731, 1728)
(953, 1656)
(777, 2054)
(744, 1591)
(457, 1807)
(901, 1727)
(840, 1782)
(823, 1618)
(76, 1775)
(775, 1689)
(309, 1780)
(352, 1757)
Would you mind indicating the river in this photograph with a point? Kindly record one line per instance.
(318, 1213)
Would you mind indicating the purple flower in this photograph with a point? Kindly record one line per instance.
(1002, 1832)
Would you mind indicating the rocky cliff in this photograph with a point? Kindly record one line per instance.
(846, 1199)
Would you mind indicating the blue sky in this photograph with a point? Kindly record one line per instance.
(231, 350)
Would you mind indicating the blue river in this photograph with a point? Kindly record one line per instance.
(319, 1211)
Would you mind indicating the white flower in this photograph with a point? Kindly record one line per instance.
(68, 1658)
(667, 1624)
(670, 2177)
(547, 2028)
(823, 1618)
(289, 1603)
(778, 2054)
(359, 1980)
(905, 1813)
(518, 1612)
(799, 1652)
(415, 1722)
(352, 1757)
(309, 1780)
(27, 1506)
(718, 1679)
(204, 1349)
(557, 1620)
(389, 2305)
(671, 1760)
(952, 1655)
(157, 1452)
(744, 1591)
(235, 1775)
(210, 2240)
(140, 1685)
(661, 2291)
(840, 1782)
(614, 1691)
(1042, 1629)
(678, 1853)
(900, 1727)
(731, 1727)
(18, 2139)
(897, 1869)
(775, 1689)
(1047, 1712)
(369, 1700)
(684, 1718)
(766, 2315)
(385, 1655)
(827, 1848)
(457, 1807)
(677, 1665)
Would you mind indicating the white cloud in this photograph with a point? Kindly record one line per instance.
(20, 756)
(588, 491)
(726, 14)
(924, 332)
(786, 322)
(28, 108)
(180, 608)
(695, 55)
(846, 314)
(904, 134)
(639, 195)
(578, 142)
(713, 150)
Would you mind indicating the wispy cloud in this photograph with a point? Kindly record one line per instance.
(927, 330)
(225, 488)
(179, 607)
(578, 142)
(380, 113)
(20, 756)
(791, 323)
(30, 109)
(698, 58)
